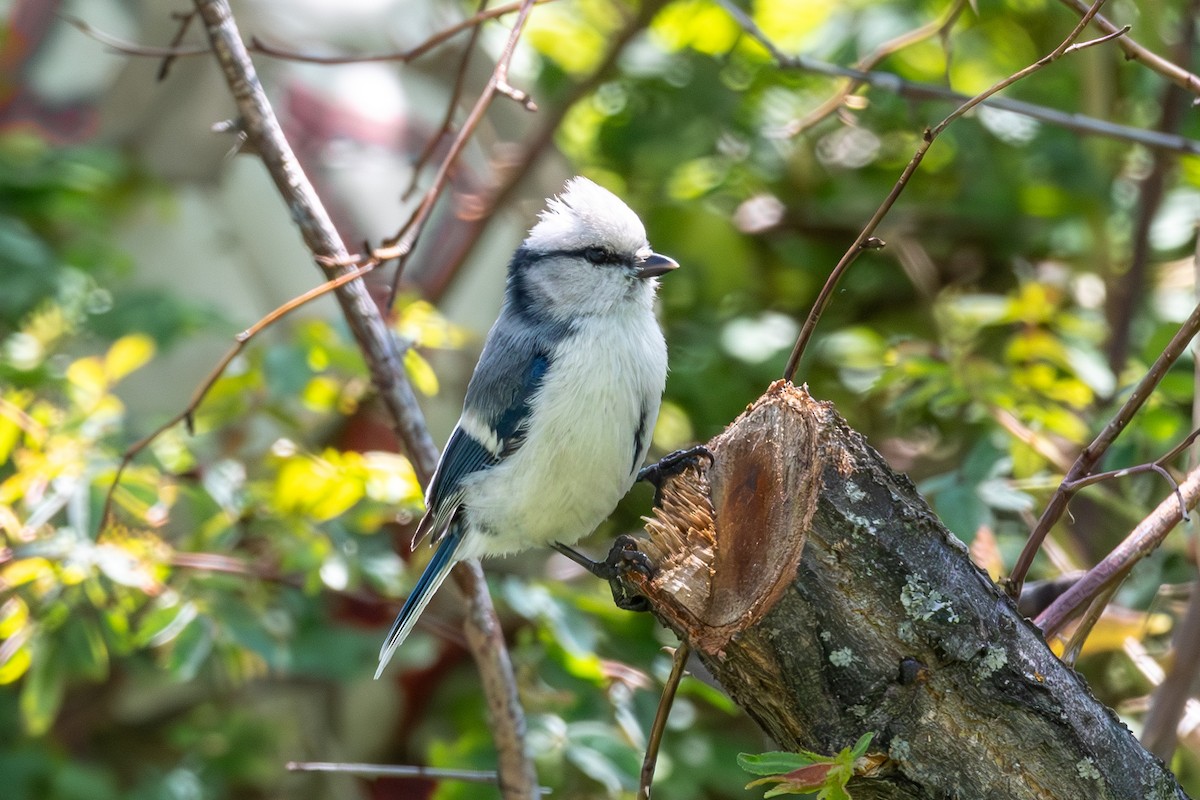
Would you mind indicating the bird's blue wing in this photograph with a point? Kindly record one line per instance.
(435, 572)
(510, 372)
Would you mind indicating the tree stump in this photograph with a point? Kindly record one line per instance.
(828, 600)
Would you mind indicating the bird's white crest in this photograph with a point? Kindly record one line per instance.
(587, 215)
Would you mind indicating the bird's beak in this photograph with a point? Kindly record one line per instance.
(654, 265)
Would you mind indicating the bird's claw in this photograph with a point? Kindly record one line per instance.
(673, 464)
(623, 559)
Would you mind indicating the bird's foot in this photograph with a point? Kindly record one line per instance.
(624, 558)
(673, 464)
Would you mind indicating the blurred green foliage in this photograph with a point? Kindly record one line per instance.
(153, 657)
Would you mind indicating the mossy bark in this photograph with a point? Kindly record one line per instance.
(827, 599)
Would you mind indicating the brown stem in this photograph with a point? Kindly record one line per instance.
(850, 85)
(654, 742)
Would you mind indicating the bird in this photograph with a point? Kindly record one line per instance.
(560, 409)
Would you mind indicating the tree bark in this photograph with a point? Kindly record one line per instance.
(828, 600)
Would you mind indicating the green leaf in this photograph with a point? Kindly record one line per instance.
(84, 648)
(42, 690)
(777, 762)
(189, 649)
(805, 772)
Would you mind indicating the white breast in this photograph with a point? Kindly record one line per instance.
(578, 459)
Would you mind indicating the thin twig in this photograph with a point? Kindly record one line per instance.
(1091, 455)
(1095, 610)
(1136, 52)
(654, 743)
(1080, 123)
(400, 771)
(123, 47)
(402, 57)
(198, 394)
(185, 22)
(381, 352)
(176, 50)
(1170, 700)
(850, 85)
(1141, 541)
(866, 239)
(460, 79)
(1158, 465)
(400, 245)
(1038, 442)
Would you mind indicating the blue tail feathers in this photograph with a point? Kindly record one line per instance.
(433, 576)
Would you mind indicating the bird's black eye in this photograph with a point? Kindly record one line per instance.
(597, 255)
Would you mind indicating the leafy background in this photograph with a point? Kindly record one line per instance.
(229, 622)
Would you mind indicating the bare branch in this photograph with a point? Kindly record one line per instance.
(1172, 699)
(887, 81)
(177, 50)
(133, 48)
(400, 771)
(404, 57)
(451, 105)
(382, 355)
(185, 21)
(241, 340)
(534, 145)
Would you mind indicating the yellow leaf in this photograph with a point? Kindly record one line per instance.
(321, 393)
(87, 375)
(127, 354)
(420, 373)
(15, 665)
(699, 24)
(390, 478)
(421, 322)
(23, 571)
(14, 613)
(320, 488)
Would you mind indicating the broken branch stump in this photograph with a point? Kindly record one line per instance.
(827, 599)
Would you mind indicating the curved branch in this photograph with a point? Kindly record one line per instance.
(383, 359)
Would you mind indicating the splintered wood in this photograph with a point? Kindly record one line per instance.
(718, 572)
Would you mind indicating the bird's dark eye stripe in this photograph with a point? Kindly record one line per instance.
(597, 255)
